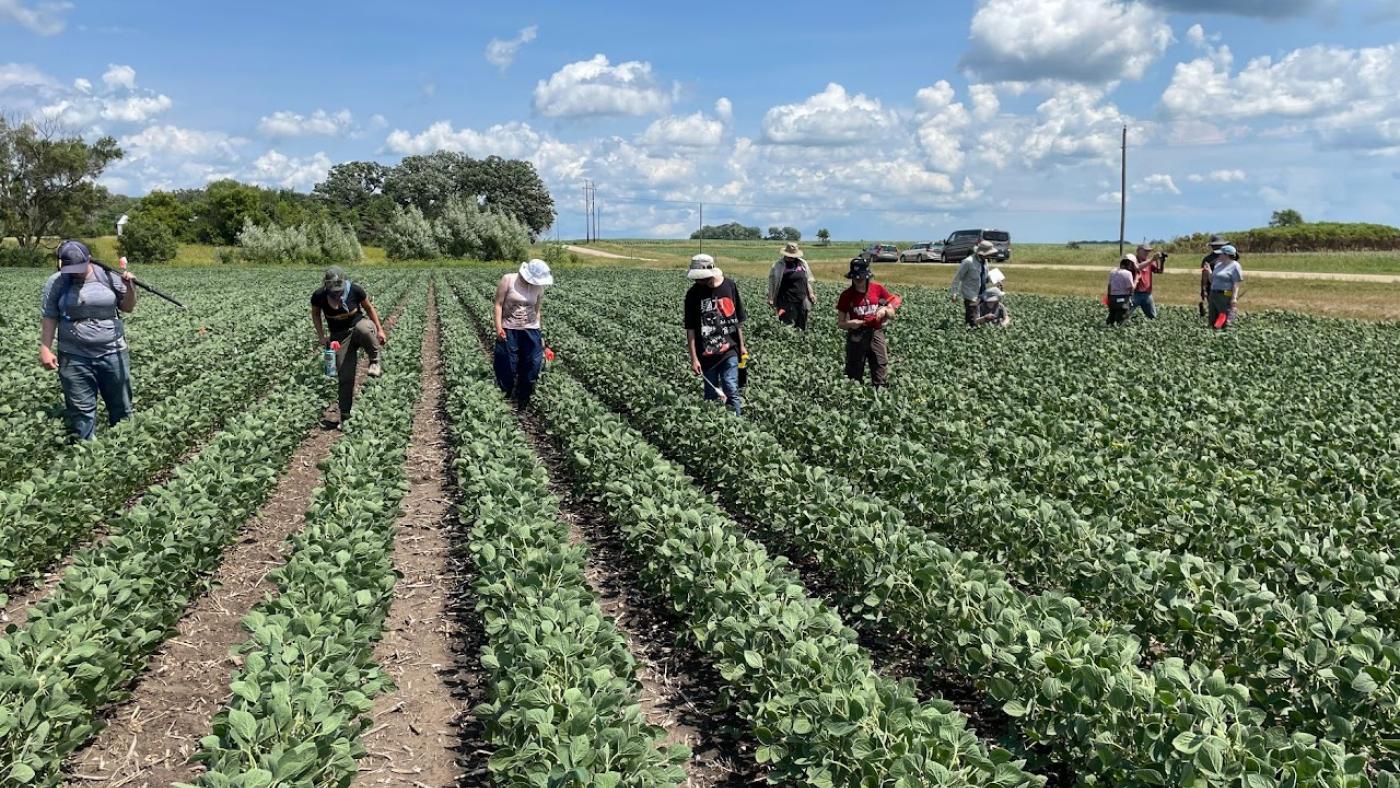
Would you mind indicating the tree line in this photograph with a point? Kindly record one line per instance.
(49, 188)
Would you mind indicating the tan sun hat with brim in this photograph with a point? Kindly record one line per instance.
(794, 251)
(986, 248)
(702, 266)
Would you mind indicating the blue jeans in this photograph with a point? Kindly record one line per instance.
(518, 360)
(83, 379)
(724, 376)
(1144, 302)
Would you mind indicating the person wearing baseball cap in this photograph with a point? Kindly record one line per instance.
(862, 311)
(790, 291)
(971, 280)
(518, 356)
(1121, 282)
(714, 330)
(1149, 262)
(81, 306)
(344, 307)
(1207, 263)
(1226, 280)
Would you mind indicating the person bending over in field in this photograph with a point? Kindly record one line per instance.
(790, 291)
(714, 331)
(81, 306)
(1226, 278)
(519, 353)
(1120, 290)
(863, 311)
(992, 310)
(342, 313)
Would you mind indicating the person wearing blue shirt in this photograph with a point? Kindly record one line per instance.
(81, 306)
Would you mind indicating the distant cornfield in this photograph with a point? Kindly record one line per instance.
(1316, 237)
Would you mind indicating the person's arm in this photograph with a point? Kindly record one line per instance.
(895, 302)
(378, 326)
(954, 290)
(690, 346)
(1159, 265)
(128, 300)
(320, 325)
(501, 290)
(1239, 286)
(845, 322)
(772, 285)
(48, 326)
(743, 348)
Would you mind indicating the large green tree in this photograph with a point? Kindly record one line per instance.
(506, 186)
(48, 178)
(223, 210)
(354, 193)
(1286, 218)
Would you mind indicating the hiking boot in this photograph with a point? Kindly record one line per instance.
(374, 371)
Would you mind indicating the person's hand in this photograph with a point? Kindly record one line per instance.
(322, 342)
(128, 277)
(47, 358)
(771, 304)
(382, 337)
(500, 333)
(695, 365)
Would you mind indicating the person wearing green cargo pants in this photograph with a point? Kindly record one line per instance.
(353, 322)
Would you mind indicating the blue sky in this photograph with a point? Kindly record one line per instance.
(876, 120)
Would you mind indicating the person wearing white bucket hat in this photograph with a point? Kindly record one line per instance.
(714, 320)
(519, 353)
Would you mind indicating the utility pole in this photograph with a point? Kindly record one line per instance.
(587, 214)
(597, 233)
(1123, 197)
(702, 225)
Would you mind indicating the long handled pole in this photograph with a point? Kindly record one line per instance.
(1123, 197)
(121, 225)
(149, 289)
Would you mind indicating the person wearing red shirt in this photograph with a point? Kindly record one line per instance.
(1149, 263)
(863, 311)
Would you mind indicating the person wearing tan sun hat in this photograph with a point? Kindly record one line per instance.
(790, 290)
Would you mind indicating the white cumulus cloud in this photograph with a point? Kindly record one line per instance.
(45, 18)
(21, 75)
(319, 123)
(508, 140)
(1218, 176)
(501, 52)
(175, 141)
(689, 131)
(1157, 183)
(595, 87)
(289, 172)
(1093, 41)
(119, 77)
(832, 117)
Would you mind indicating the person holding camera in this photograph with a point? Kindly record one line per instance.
(1149, 263)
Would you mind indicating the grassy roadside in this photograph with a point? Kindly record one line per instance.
(1331, 299)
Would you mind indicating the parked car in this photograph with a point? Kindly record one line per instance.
(880, 253)
(926, 252)
(961, 243)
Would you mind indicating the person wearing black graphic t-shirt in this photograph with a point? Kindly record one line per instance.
(351, 320)
(714, 317)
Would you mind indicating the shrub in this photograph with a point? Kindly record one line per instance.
(503, 238)
(458, 229)
(146, 240)
(316, 243)
(410, 236)
(25, 257)
(1312, 237)
(555, 253)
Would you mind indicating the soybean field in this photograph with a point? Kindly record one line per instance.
(1050, 554)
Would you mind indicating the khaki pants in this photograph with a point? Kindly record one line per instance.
(867, 346)
(361, 335)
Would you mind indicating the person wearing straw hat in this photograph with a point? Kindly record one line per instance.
(1226, 279)
(81, 306)
(339, 309)
(714, 330)
(971, 281)
(863, 311)
(518, 355)
(790, 291)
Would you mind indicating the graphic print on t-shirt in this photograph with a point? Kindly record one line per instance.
(718, 323)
